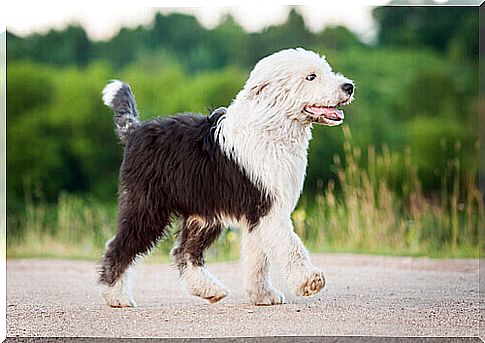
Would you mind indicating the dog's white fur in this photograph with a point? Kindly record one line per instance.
(120, 294)
(267, 133)
(197, 279)
(201, 283)
(110, 91)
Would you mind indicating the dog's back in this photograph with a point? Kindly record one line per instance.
(179, 160)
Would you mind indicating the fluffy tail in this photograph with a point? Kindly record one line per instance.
(118, 96)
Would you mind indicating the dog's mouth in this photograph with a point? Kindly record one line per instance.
(326, 115)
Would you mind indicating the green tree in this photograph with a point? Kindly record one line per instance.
(337, 38)
(70, 46)
(433, 27)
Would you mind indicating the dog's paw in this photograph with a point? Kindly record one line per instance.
(311, 285)
(116, 298)
(215, 298)
(212, 294)
(201, 283)
(266, 297)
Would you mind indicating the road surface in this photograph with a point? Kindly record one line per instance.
(364, 295)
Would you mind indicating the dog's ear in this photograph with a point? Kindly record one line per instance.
(256, 91)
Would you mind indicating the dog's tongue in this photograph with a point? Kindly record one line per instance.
(328, 112)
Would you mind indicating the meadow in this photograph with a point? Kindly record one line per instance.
(366, 215)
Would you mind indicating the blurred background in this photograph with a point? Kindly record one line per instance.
(399, 177)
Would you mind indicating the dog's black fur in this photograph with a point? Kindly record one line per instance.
(175, 167)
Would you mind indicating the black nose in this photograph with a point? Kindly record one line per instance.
(348, 88)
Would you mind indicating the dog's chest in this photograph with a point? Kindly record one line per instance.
(278, 167)
(274, 157)
(285, 178)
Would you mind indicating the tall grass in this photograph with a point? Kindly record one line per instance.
(377, 205)
(78, 227)
(381, 208)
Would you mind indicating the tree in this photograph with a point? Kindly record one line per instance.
(433, 27)
(338, 38)
(292, 34)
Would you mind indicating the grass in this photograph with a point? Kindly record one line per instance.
(376, 205)
(381, 208)
(78, 227)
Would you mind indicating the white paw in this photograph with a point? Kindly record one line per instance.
(311, 285)
(201, 283)
(212, 293)
(266, 297)
(116, 297)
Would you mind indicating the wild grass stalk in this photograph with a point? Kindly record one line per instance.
(380, 207)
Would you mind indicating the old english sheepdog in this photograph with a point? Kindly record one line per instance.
(243, 165)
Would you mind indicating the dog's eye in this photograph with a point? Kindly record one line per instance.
(311, 77)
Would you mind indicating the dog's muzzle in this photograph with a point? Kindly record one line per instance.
(325, 115)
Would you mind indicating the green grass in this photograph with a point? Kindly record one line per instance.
(375, 206)
(373, 212)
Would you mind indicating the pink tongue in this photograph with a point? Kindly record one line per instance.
(328, 112)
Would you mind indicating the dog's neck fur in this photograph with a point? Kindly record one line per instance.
(269, 146)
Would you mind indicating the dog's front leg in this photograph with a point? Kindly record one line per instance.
(257, 270)
(283, 245)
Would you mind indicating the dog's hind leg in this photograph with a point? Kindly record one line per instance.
(138, 231)
(196, 235)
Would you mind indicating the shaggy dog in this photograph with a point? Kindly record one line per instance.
(243, 165)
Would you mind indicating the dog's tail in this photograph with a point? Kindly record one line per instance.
(118, 96)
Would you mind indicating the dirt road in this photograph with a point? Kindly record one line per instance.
(364, 295)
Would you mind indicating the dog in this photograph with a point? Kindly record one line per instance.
(244, 165)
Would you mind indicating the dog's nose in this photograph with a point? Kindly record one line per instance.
(348, 88)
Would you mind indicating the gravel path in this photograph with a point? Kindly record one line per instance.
(364, 295)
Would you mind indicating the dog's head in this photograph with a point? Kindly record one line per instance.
(301, 85)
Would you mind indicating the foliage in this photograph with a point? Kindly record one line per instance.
(429, 26)
(447, 30)
(66, 47)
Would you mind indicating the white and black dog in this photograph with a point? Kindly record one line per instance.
(243, 165)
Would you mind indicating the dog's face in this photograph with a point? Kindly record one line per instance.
(302, 84)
